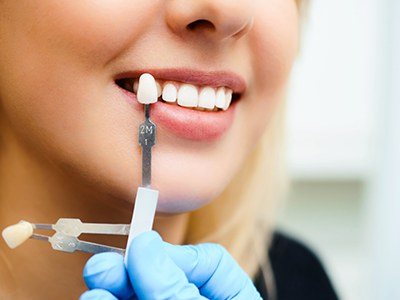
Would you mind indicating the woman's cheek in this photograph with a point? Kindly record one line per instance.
(92, 32)
(274, 40)
(273, 43)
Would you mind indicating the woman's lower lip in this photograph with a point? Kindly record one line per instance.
(187, 123)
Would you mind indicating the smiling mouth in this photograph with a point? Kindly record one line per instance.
(208, 92)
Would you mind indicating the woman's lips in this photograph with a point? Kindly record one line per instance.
(187, 123)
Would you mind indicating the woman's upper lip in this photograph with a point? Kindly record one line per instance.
(227, 79)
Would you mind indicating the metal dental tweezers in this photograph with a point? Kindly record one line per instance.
(68, 230)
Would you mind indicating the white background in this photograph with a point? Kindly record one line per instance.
(344, 145)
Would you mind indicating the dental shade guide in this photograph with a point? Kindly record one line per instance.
(146, 198)
(68, 230)
(66, 235)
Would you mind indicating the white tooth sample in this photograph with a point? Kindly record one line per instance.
(220, 101)
(147, 90)
(207, 98)
(228, 98)
(188, 96)
(169, 93)
(135, 86)
(159, 90)
(15, 235)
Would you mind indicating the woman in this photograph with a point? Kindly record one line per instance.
(69, 119)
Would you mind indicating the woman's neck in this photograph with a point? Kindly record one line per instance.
(36, 191)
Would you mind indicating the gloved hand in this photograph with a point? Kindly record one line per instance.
(159, 270)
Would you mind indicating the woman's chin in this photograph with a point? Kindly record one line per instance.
(176, 205)
(175, 199)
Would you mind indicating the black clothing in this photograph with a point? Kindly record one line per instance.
(298, 272)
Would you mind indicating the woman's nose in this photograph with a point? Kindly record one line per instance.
(216, 20)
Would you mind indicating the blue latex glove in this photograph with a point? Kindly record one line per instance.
(159, 270)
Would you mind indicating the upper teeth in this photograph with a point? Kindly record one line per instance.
(148, 91)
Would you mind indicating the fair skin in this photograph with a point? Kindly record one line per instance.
(68, 137)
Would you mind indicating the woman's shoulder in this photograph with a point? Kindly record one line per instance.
(298, 272)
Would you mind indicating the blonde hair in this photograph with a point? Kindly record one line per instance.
(242, 218)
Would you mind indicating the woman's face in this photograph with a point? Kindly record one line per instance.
(60, 62)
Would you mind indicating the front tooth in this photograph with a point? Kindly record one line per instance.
(169, 93)
(228, 98)
(207, 97)
(188, 95)
(220, 101)
(159, 90)
(135, 86)
(147, 89)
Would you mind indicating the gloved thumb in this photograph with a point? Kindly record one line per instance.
(107, 271)
(152, 272)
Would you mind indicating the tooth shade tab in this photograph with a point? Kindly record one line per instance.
(169, 93)
(17, 234)
(188, 95)
(147, 89)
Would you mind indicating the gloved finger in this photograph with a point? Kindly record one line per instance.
(152, 272)
(107, 271)
(213, 270)
(97, 294)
